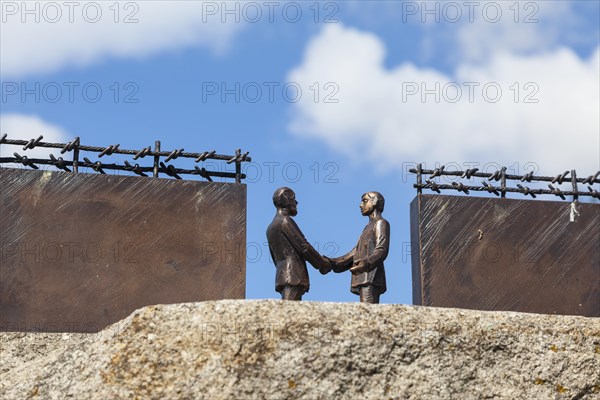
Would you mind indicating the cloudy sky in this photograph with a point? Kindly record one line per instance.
(331, 98)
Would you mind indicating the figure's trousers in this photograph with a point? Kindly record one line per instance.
(292, 293)
(369, 294)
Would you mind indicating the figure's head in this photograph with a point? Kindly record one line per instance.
(370, 202)
(285, 198)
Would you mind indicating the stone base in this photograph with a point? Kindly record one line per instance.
(286, 350)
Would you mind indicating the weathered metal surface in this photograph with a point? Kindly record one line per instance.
(82, 251)
(505, 254)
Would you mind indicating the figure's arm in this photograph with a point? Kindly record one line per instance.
(343, 263)
(297, 239)
(382, 243)
(382, 246)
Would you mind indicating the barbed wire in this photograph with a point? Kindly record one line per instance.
(158, 167)
(503, 177)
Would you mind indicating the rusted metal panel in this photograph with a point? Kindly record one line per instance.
(82, 251)
(506, 255)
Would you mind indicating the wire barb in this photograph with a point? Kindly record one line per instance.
(560, 177)
(434, 186)
(205, 155)
(490, 188)
(469, 173)
(70, 146)
(136, 169)
(460, 187)
(496, 176)
(169, 170)
(109, 150)
(527, 177)
(174, 154)
(556, 191)
(59, 163)
(143, 153)
(32, 143)
(437, 172)
(526, 190)
(25, 161)
(97, 166)
(203, 173)
(592, 178)
(238, 158)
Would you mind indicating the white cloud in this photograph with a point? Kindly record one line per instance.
(25, 127)
(516, 27)
(454, 31)
(45, 46)
(376, 118)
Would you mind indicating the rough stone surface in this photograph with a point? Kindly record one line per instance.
(288, 350)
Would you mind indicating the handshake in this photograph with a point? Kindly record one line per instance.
(337, 266)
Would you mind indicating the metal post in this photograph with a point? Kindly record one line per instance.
(503, 182)
(419, 178)
(156, 158)
(238, 166)
(76, 156)
(574, 184)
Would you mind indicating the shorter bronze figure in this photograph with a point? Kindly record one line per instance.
(290, 250)
(365, 261)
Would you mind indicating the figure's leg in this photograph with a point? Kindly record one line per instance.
(369, 294)
(292, 293)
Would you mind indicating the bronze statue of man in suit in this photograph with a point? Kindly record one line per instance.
(365, 261)
(290, 250)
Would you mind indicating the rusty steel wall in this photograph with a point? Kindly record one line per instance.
(82, 251)
(505, 255)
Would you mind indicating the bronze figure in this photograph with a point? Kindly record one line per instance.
(365, 261)
(290, 250)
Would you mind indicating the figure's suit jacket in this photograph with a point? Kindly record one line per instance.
(373, 246)
(290, 250)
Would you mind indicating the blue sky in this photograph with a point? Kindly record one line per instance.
(393, 80)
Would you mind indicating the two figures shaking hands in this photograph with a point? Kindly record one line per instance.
(290, 250)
